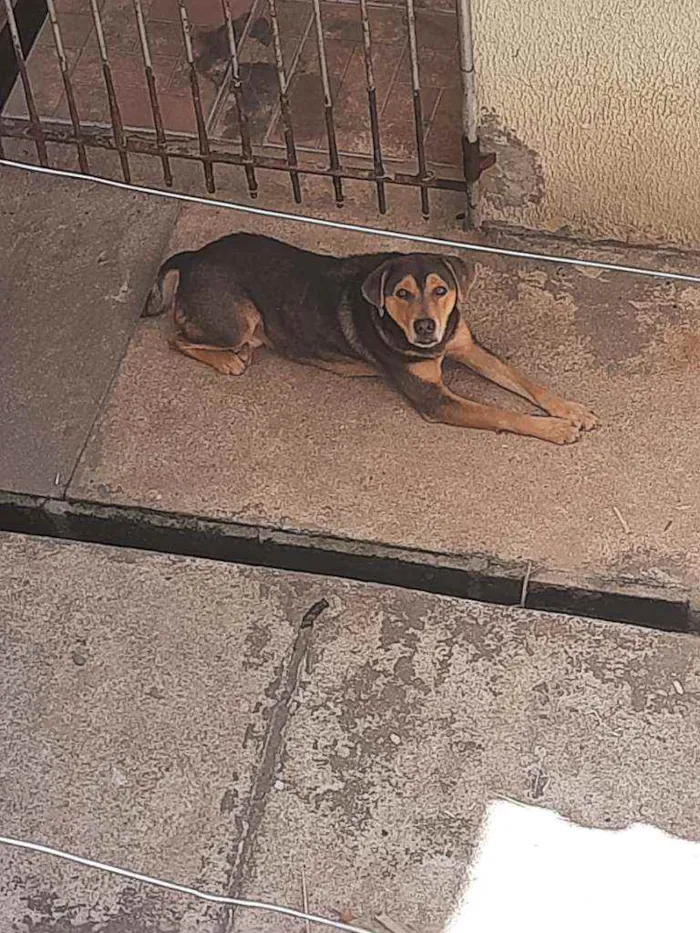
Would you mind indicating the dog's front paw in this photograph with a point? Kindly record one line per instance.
(559, 431)
(577, 415)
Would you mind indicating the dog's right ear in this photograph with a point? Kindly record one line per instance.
(373, 286)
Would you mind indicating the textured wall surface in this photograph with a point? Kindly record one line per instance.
(593, 110)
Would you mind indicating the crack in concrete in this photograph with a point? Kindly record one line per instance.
(670, 605)
(284, 687)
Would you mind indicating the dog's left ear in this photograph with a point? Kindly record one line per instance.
(373, 285)
(462, 271)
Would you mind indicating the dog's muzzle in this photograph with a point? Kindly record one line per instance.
(425, 331)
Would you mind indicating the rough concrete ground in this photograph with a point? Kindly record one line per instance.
(165, 714)
(76, 261)
(138, 693)
(294, 448)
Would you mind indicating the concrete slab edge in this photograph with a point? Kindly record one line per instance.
(481, 577)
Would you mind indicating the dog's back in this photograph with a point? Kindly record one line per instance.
(298, 293)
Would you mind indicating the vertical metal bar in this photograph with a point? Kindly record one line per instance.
(246, 148)
(372, 100)
(152, 92)
(68, 87)
(470, 137)
(34, 120)
(417, 108)
(196, 99)
(334, 160)
(114, 111)
(285, 111)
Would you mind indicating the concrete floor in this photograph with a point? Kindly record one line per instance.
(173, 716)
(294, 448)
(76, 262)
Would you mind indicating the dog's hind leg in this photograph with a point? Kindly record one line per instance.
(226, 362)
(244, 332)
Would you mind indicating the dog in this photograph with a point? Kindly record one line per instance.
(394, 315)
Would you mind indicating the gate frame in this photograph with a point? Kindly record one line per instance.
(85, 136)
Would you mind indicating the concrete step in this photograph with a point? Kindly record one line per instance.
(292, 449)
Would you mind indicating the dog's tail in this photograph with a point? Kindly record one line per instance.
(155, 304)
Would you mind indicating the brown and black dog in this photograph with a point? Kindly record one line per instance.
(387, 314)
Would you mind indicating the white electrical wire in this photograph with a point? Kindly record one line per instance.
(179, 888)
(355, 228)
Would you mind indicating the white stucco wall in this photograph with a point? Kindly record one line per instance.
(594, 109)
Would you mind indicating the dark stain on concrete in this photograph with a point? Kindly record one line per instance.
(650, 683)
(539, 782)
(401, 627)
(449, 833)
(683, 351)
(517, 179)
(211, 48)
(257, 649)
(136, 909)
(229, 799)
(353, 803)
(610, 315)
(212, 54)
(260, 93)
(480, 642)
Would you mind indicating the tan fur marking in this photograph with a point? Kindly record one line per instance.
(421, 304)
(427, 371)
(226, 362)
(438, 307)
(404, 310)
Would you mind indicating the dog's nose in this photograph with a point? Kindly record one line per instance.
(424, 327)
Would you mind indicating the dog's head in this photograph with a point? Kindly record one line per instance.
(419, 292)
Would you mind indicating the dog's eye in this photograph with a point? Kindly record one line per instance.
(403, 293)
(440, 291)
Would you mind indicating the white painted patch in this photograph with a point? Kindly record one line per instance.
(536, 871)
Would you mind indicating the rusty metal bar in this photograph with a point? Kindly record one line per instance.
(379, 172)
(473, 160)
(67, 87)
(114, 111)
(470, 126)
(143, 144)
(196, 97)
(417, 107)
(39, 140)
(334, 160)
(152, 92)
(246, 147)
(285, 111)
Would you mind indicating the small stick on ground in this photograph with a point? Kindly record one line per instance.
(621, 519)
(526, 583)
(305, 898)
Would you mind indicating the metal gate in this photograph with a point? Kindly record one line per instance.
(306, 87)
